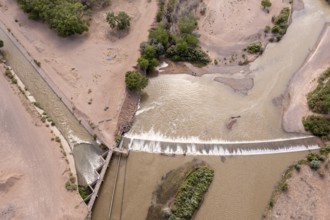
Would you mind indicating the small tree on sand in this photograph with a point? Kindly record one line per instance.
(266, 4)
(143, 63)
(120, 22)
(135, 80)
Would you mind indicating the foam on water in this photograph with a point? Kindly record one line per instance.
(153, 142)
(153, 136)
(215, 150)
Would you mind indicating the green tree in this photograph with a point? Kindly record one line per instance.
(66, 18)
(266, 3)
(191, 40)
(1, 43)
(149, 52)
(120, 22)
(135, 80)
(160, 35)
(143, 63)
(187, 24)
(317, 125)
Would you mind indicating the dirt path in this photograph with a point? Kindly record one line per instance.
(33, 172)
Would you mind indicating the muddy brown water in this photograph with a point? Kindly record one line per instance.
(241, 188)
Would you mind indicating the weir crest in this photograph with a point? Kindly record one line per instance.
(221, 148)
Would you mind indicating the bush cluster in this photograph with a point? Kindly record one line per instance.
(281, 24)
(173, 38)
(317, 125)
(84, 191)
(315, 160)
(319, 99)
(319, 102)
(190, 193)
(254, 48)
(65, 16)
(121, 21)
(70, 184)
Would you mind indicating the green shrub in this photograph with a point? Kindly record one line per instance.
(315, 164)
(160, 12)
(143, 63)
(266, 3)
(281, 23)
(276, 29)
(325, 150)
(70, 186)
(283, 186)
(187, 24)
(135, 80)
(120, 22)
(160, 34)
(283, 17)
(190, 193)
(313, 156)
(84, 191)
(254, 48)
(66, 17)
(317, 125)
(319, 99)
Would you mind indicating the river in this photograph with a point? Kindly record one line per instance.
(181, 109)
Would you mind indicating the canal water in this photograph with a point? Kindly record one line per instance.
(85, 150)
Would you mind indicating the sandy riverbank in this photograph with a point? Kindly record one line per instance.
(229, 26)
(88, 68)
(33, 171)
(307, 197)
(304, 81)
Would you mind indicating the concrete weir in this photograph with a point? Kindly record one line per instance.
(214, 148)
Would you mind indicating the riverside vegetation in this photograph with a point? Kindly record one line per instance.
(190, 193)
(319, 102)
(181, 192)
(173, 37)
(281, 24)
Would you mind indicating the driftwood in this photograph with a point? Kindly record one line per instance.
(232, 121)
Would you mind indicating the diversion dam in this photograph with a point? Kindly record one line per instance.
(221, 148)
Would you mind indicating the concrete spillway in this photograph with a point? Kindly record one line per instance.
(224, 148)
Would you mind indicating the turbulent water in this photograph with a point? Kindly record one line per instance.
(86, 153)
(186, 107)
